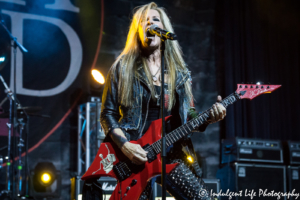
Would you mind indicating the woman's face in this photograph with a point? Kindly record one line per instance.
(147, 41)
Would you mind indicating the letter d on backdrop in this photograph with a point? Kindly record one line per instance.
(17, 19)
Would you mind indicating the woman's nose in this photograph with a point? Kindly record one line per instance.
(149, 22)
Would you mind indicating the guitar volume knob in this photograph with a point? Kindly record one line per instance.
(134, 181)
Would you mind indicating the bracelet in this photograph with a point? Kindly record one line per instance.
(118, 140)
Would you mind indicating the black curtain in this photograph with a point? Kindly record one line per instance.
(259, 41)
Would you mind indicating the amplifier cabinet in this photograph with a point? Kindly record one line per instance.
(107, 185)
(293, 175)
(260, 178)
(256, 180)
(294, 153)
(213, 186)
(251, 150)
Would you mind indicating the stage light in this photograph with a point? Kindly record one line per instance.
(5, 49)
(45, 181)
(46, 178)
(98, 76)
(190, 159)
(258, 83)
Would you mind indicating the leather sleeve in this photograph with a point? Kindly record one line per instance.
(109, 117)
(192, 113)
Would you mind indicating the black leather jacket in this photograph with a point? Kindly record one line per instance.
(132, 120)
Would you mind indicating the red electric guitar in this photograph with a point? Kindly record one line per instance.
(132, 179)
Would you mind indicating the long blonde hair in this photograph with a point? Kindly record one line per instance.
(131, 52)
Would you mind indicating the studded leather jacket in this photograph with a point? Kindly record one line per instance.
(132, 120)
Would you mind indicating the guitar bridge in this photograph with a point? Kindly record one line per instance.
(122, 171)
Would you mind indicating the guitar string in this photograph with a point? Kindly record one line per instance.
(196, 118)
(188, 123)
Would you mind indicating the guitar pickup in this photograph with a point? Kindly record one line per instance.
(151, 155)
(122, 171)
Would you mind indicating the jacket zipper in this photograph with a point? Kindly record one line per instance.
(145, 117)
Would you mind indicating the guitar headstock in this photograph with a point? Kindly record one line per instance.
(250, 91)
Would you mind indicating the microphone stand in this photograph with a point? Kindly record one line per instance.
(10, 130)
(163, 133)
(164, 35)
(13, 108)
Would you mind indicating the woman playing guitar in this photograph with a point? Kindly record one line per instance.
(131, 96)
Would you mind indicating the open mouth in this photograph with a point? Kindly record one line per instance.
(148, 34)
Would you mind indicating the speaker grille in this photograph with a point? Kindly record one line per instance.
(260, 178)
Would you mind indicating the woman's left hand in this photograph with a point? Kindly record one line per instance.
(218, 111)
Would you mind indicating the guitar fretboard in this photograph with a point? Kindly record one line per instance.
(187, 128)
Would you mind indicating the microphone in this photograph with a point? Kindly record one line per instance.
(155, 30)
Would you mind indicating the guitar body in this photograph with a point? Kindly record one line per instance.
(109, 155)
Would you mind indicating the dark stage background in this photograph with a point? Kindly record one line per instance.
(224, 43)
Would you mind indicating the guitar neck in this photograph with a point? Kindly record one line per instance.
(187, 128)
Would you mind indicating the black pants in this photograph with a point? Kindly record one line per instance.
(181, 183)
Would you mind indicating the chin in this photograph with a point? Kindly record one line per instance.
(151, 43)
(154, 43)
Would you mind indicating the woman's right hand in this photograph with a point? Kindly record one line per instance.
(135, 153)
